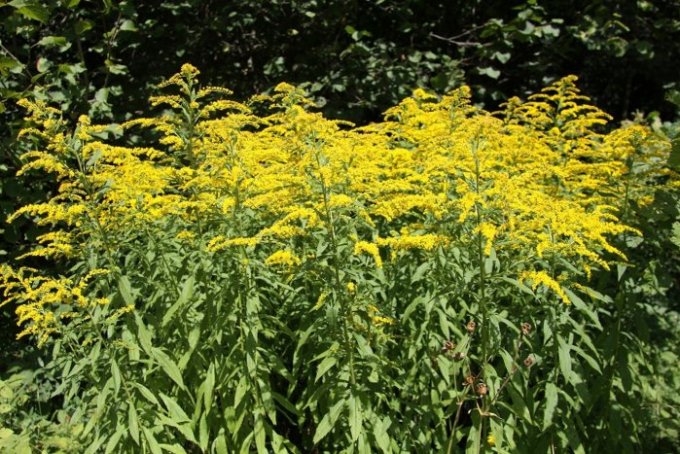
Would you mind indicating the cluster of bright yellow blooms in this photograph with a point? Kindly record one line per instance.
(537, 177)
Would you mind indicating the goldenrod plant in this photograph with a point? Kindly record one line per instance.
(255, 277)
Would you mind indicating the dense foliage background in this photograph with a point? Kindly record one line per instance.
(355, 60)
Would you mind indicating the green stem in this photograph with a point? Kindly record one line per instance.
(336, 264)
(480, 256)
(76, 147)
(170, 278)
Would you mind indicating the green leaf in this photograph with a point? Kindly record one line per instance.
(53, 41)
(563, 350)
(102, 400)
(490, 72)
(502, 57)
(115, 373)
(517, 284)
(420, 272)
(592, 362)
(175, 449)
(675, 238)
(185, 295)
(241, 389)
(43, 64)
(209, 387)
(184, 429)
(221, 443)
(285, 403)
(143, 334)
(497, 431)
(168, 366)
(101, 95)
(133, 422)
(355, 417)
(551, 398)
(154, 447)
(8, 64)
(125, 290)
(245, 446)
(328, 421)
(382, 439)
(128, 26)
(113, 441)
(674, 158)
(194, 335)
(82, 26)
(115, 68)
(203, 433)
(146, 392)
(583, 307)
(178, 415)
(260, 436)
(325, 366)
(35, 12)
(474, 439)
(411, 308)
(93, 447)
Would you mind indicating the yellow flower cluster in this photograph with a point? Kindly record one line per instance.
(282, 257)
(539, 178)
(38, 298)
(542, 278)
(377, 319)
(364, 247)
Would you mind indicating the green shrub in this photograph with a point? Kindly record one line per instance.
(254, 276)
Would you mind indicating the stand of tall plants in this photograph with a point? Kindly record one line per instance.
(240, 277)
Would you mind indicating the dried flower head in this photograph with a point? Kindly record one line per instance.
(448, 346)
(471, 326)
(526, 328)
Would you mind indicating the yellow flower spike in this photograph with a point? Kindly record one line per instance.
(188, 70)
(283, 258)
(284, 87)
(425, 242)
(423, 95)
(364, 247)
(320, 301)
(488, 232)
(542, 278)
(37, 298)
(379, 320)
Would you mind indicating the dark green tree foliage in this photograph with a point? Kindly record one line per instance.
(102, 55)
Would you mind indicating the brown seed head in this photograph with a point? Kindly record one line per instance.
(459, 356)
(526, 328)
(482, 389)
(471, 326)
(469, 380)
(529, 361)
(448, 346)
